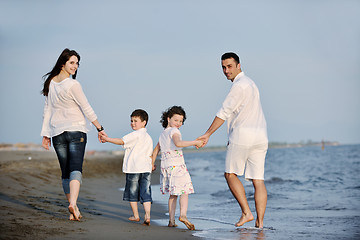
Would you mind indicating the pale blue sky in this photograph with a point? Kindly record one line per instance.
(303, 55)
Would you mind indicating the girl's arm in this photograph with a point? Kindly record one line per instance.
(180, 143)
(154, 154)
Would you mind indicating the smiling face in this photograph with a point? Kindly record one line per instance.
(230, 68)
(176, 121)
(136, 123)
(71, 65)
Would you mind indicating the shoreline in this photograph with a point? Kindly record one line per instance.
(32, 203)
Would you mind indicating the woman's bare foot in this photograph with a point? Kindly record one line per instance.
(187, 223)
(244, 219)
(75, 213)
(134, 219)
(172, 224)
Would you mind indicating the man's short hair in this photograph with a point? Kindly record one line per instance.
(231, 55)
(142, 114)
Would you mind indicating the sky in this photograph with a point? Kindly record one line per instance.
(304, 57)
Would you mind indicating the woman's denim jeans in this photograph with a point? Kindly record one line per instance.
(70, 150)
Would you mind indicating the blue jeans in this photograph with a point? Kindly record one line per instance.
(70, 150)
(138, 187)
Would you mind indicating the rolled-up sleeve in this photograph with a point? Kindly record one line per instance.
(80, 98)
(231, 103)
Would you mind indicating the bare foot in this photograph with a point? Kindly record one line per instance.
(134, 219)
(187, 223)
(147, 222)
(172, 224)
(76, 215)
(258, 225)
(244, 219)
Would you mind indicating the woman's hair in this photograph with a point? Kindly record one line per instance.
(63, 58)
(171, 112)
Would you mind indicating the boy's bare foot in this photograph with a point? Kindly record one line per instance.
(134, 219)
(244, 219)
(172, 224)
(147, 222)
(187, 223)
(76, 215)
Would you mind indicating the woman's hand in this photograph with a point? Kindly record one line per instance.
(102, 134)
(46, 143)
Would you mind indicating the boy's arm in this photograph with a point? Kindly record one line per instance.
(154, 154)
(117, 141)
(180, 143)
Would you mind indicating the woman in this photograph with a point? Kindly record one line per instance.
(66, 107)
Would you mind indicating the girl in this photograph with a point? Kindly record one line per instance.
(64, 121)
(175, 178)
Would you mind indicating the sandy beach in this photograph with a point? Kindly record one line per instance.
(33, 205)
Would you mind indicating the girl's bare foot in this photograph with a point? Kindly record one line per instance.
(172, 224)
(134, 219)
(244, 219)
(187, 223)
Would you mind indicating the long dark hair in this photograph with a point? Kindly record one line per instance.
(171, 112)
(63, 58)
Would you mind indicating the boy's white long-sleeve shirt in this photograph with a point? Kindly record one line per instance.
(66, 107)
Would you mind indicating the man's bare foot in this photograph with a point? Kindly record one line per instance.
(244, 219)
(76, 215)
(172, 224)
(134, 219)
(258, 225)
(187, 223)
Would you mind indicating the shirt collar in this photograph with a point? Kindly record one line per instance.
(238, 76)
(142, 130)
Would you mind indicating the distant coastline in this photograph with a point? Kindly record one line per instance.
(38, 147)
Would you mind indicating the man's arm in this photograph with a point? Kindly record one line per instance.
(213, 127)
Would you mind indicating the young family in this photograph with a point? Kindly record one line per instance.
(64, 124)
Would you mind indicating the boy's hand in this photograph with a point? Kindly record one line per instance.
(154, 167)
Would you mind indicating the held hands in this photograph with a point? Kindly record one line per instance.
(204, 139)
(199, 143)
(102, 136)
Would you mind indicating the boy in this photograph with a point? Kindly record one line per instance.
(137, 164)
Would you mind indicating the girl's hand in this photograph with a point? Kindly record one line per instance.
(154, 167)
(199, 143)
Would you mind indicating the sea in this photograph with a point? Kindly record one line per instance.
(312, 194)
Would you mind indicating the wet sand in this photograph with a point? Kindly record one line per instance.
(33, 206)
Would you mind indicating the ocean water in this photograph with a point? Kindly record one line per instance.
(312, 194)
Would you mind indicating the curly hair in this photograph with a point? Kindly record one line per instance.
(171, 112)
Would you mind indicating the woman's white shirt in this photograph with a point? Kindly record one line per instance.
(66, 107)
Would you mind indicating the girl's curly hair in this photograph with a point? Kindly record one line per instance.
(171, 112)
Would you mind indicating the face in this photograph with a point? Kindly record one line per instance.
(136, 123)
(176, 121)
(71, 65)
(230, 68)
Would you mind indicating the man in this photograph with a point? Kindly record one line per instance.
(248, 142)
